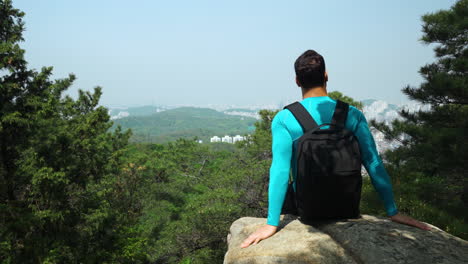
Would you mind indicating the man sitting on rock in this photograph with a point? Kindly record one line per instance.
(312, 78)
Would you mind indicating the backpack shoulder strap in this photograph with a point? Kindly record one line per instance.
(340, 114)
(306, 121)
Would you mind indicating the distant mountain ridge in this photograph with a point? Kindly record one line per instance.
(164, 123)
(159, 126)
(379, 109)
(120, 112)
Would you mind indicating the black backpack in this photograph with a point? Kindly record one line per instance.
(328, 180)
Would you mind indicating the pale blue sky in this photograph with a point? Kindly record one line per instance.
(227, 52)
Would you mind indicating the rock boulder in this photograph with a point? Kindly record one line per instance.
(368, 239)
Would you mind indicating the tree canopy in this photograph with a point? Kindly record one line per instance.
(435, 141)
(56, 158)
(72, 191)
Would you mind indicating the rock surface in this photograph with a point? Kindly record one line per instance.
(365, 240)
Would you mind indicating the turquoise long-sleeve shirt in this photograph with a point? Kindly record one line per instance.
(286, 131)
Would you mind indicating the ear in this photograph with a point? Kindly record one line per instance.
(297, 82)
(326, 76)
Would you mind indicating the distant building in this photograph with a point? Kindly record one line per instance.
(227, 139)
(200, 141)
(215, 139)
(237, 138)
(121, 114)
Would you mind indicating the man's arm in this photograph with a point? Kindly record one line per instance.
(374, 165)
(279, 170)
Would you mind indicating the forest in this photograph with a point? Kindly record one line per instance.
(72, 191)
(184, 122)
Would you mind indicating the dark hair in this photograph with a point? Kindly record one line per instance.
(310, 69)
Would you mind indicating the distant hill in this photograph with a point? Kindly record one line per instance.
(117, 113)
(166, 123)
(243, 112)
(186, 122)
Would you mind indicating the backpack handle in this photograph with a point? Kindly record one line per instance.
(340, 126)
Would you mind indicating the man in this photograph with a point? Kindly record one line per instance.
(312, 77)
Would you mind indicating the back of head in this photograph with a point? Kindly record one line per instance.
(310, 69)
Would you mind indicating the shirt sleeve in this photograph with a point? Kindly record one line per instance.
(279, 170)
(374, 165)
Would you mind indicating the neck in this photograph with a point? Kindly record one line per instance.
(314, 92)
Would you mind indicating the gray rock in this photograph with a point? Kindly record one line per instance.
(369, 239)
(293, 243)
(379, 240)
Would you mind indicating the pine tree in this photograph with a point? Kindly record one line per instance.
(55, 154)
(435, 140)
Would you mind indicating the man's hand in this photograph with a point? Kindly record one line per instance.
(263, 232)
(404, 219)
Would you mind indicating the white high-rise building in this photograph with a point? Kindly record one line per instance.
(215, 139)
(227, 139)
(237, 138)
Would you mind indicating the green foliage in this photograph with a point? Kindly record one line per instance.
(222, 146)
(424, 198)
(192, 193)
(434, 148)
(184, 122)
(73, 191)
(56, 157)
(187, 203)
(258, 145)
(337, 95)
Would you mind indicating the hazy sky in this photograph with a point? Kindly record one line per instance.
(227, 52)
